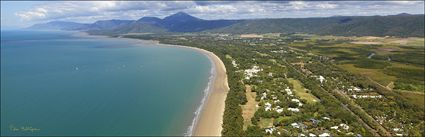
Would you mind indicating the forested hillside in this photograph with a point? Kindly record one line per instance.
(394, 25)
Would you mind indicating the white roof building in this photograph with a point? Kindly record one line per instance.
(234, 64)
(295, 125)
(357, 89)
(270, 74)
(321, 79)
(267, 106)
(344, 126)
(325, 135)
(280, 110)
(288, 91)
(295, 100)
(396, 129)
(294, 109)
(264, 96)
(270, 130)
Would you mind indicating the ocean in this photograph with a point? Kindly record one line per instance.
(60, 83)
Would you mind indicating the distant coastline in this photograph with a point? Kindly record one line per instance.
(209, 116)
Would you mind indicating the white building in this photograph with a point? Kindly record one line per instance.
(267, 106)
(295, 125)
(288, 91)
(297, 101)
(270, 130)
(234, 64)
(344, 126)
(321, 79)
(280, 110)
(294, 109)
(264, 96)
(325, 135)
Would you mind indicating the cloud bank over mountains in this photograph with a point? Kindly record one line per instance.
(90, 11)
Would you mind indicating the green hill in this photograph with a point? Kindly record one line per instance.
(393, 25)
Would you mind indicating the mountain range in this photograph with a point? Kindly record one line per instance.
(404, 25)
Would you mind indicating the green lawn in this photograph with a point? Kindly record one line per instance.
(301, 92)
(265, 122)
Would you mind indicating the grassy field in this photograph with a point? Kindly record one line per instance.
(386, 60)
(266, 122)
(249, 108)
(415, 98)
(375, 74)
(301, 92)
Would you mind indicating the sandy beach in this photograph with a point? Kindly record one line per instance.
(210, 120)
(211, 116)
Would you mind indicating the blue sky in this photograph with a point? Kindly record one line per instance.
(15, 14)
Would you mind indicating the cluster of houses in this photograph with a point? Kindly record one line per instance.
(300, 125)
(249, 73)
(366, 96)
(324, 134)
(268, 107)
(353, 90)
(289, 92)
(381, 119)
(270, 130)
(279, 51)
(398, 130)
(342, 126)
(270, 101)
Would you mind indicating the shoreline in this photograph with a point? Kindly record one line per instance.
(208, 118)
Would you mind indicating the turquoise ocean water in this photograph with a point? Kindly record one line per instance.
(58, 83)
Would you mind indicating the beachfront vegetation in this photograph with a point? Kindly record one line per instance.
(321, 85)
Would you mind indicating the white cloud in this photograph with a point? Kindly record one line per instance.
(90, 11)
(326, 6)
(405, 2)
(298, 5)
